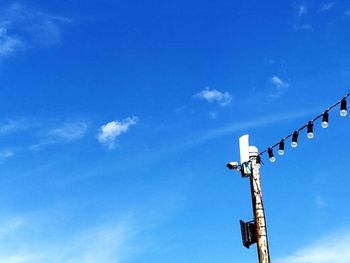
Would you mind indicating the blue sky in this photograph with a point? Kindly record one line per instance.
(118, 118)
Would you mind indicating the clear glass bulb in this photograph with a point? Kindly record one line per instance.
(343, 113)
(280, 152)
(272, 159)
(324, 124)
(310, 135)
(294, 144)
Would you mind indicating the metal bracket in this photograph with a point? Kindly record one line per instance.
(246, 169)
(248, 231)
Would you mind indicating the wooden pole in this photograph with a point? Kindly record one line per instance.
(258, 208)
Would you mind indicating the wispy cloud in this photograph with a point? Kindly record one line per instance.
(11, 225)
(67, 132)
(15, 125)
(303, 27)
(302, 15)
(320, 202)
(118, 237)
(6, 154)
(326, 6)
(332, 249)
(223, 98)
(22, 27)
(35, 134)
(199, 138)
(278, 82)
(111, 130)
(8, 44)
(213, 115)
(302, 10)
(70, 131)
(279, 86)
(254, 123)
(103, 242)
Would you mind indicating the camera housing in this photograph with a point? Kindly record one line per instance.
(232, 165)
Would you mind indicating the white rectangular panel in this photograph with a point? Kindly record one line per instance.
(244, 148)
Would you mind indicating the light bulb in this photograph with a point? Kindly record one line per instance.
(310, 129)
(270, 153)
(295, 139)
(281, 147)
(310, 135)
(343, 111)
(324, 123)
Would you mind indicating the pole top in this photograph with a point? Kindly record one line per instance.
(253, 151)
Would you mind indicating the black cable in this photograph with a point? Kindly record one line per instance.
(304, 126)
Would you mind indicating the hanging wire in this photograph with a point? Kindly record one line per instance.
(305, 126)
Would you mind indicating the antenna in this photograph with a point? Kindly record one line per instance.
(244, 148)
(245, 151)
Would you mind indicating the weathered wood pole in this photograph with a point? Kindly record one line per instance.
(258, 208)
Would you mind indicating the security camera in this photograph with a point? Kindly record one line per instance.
(232, 165)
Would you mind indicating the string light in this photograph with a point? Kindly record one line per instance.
(281, 147)
(310, 132)
(258, 160)
(343, 111)
(270, 153)
(294, 143)
(309, 126)
(324, 123)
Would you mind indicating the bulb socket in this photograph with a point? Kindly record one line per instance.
(271, 156)
(310, 130)
(325, 119)
(295, 139)
(343, 107)
(281, 147)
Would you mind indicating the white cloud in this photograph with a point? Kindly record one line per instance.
(35, 134)
(320, 202)
(326, 6)
(70, 131)
(305, 27)
(300, 23)
(332, 249)
(17, 259)
(110, 131)
(6, 154)
(200, 138)
(278, 82)
(223, 98)
(302, 10)
(32, 28)
(15, 125)
(279, 88)
(11, 225)
(105, 242)
(66, 133)
(102, 244)
(213, 115)
(109, 245)
(8, 44)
